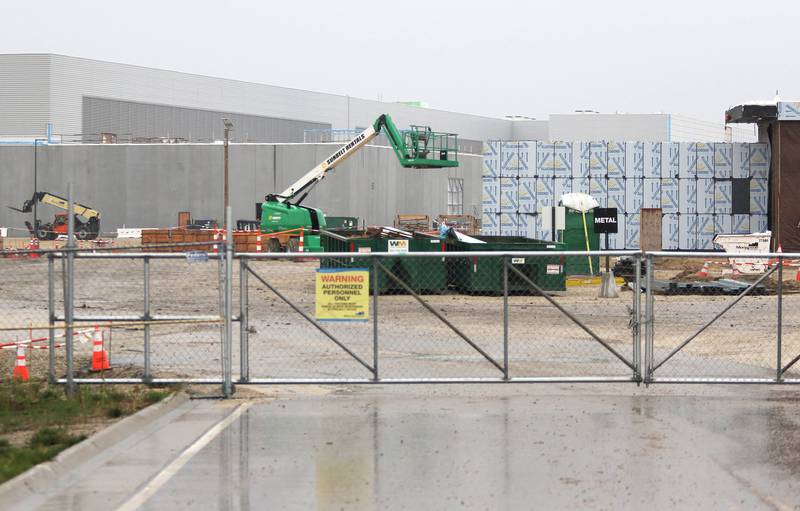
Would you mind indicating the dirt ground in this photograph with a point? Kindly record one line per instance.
(413, 342)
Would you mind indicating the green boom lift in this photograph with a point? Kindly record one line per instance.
(283, 215)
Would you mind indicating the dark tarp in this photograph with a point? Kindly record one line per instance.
(785, 185)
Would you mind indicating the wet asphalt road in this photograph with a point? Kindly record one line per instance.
(481, 447)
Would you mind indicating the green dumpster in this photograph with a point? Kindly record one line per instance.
(575, 239)
(484, 275)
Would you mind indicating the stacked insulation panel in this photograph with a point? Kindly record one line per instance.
(703, 189)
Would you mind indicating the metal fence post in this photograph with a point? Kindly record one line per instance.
(227, 384)
(375, 293)
(649, 319)
(637, 317)
(51, 312)
(505, 318)
(779, 361)
(148, 377)
(70, 290)
(244, 323)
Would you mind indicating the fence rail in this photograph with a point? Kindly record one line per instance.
(429, 317)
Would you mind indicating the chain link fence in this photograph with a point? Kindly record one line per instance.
(420, 317)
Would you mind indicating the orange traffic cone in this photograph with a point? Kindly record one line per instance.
(99, 354)
(33, 244)
(704, 271)
(21, 365)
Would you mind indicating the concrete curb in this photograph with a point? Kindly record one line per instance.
(38, 479)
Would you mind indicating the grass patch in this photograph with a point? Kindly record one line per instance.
(54, 417)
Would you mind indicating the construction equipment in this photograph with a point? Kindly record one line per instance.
(282, 214)
(87, 220)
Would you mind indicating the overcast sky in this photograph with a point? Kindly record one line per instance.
(492, 57)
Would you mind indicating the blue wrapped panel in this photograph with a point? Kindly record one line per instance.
(562, 159)
(722, 197)
(758, 196)
(632, 231)
(705, 160)
(526, 225)
(580, 159)
(598, 159)
(634, 160)
(722, 224)
(616, 193)
(526, 154)
(615, 152)
(634, 194)
(561, 185)
(670, 159)
(651, 195)
(491, 194)
(705, 196)
(545, 153)
(705, 232)
(788, 111)
(759, 161)
(687, 196)
(509, 195)
(543, 232)
(652, 159)
(688, 161)
(544, 193)
(670, 192)
(509, 159)
(740, 168)
(580, 184)
(598, 189)
(491, 159)
(741, 224)
(688, 232)
(670, 232)
(527, 195)
(723, 160)
(490, 224)
(758, 223)
(509, 223)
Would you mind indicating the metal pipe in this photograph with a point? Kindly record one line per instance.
(441, 318)
(227, 387)
(637, 317)
(505, 318)
(779, 338)
(146, 317)
(51, 313)
(573, 318)
(712, 320)
(649, 318)
(244, 325)
(70, 290)
(375, 293)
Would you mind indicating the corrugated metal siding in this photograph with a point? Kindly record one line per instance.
(131, 120)
(24, 95)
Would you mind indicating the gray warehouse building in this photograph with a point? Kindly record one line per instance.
(104, 125)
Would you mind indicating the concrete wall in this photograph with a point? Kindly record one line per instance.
(146, 185)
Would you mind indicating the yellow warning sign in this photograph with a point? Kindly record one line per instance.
(342, 294)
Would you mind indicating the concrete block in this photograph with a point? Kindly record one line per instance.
(652, 159)
(562, 159)
(670, 231)
(740, 224)
(759, 195)
(616, 193)
(723, 160)
(651, 195)
(687, 196)
(491, 194)
(491, 159)
(634, 160)
(580, 159)
(634, 195)
(688, 232)
(705, 232)
(598, 159)
(509, 195)
(632, 231)
(615, 152)
(705, 196)
(527, 195)
(722, 197)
